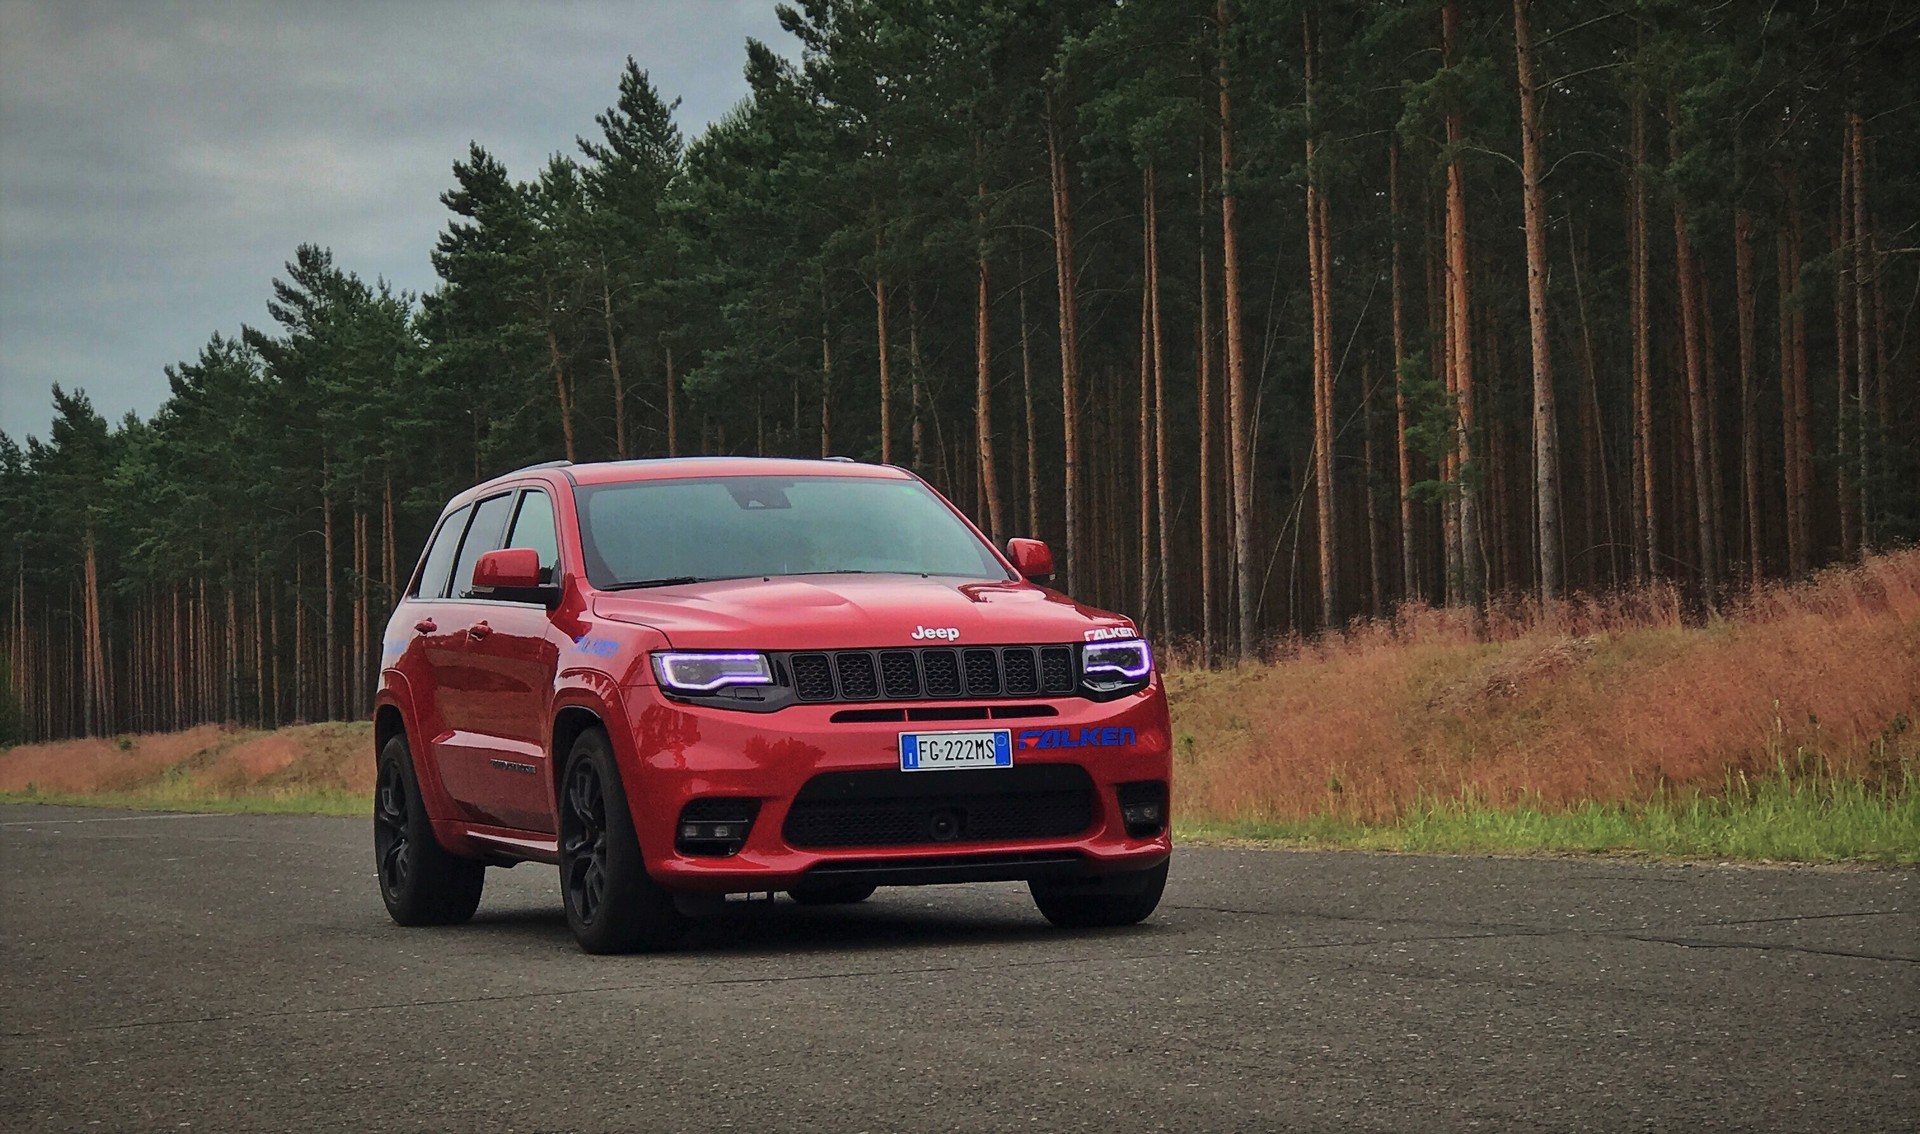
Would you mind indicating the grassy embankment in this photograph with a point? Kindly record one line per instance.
(1782, 731)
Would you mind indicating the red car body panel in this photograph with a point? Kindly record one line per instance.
(481, 686)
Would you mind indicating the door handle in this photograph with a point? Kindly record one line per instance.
(479, 630)
(426, 626)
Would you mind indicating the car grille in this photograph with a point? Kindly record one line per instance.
(932, 673)
(893, 808)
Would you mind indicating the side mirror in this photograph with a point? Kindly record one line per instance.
(513, 574)
(1031, 558)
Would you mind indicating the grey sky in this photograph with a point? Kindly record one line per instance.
(160, 161)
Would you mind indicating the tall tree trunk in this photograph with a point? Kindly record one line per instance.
(1794, 419)
(1863, 336)
(1472, 577)
(983, 390)
(1162, 473)
(1026, 396)
(613, 366)
(1239, 417)
(565, 397)
(389, 551)
(1600, 493)
(1699, 421)
(826, 378)
(1067, 275)
(673, 405)
(1546, 444)
(1409, 555)
(1142, 436)
(1376, 562)
(884, 359)
(1644, 451)
(1843, 424)
(916, 381)
(1319, 266)
(1205, 411)
(329, 665)
(1749, 391)
(259, 653)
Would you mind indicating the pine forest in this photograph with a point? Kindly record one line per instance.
(1268, 316)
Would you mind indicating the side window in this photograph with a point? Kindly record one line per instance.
(483, 535)
(432, 583)
(533, 527)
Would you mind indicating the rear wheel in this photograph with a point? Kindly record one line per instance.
(1107, 900)
(613, 905)
(833, 894)
(420, 882)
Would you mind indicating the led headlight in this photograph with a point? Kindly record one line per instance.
(704, 672)
(1117, 664)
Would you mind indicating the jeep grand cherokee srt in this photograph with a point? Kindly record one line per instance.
(679, 679)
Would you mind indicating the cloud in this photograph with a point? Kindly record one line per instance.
(160, 161)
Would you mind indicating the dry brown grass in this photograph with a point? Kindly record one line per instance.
(205, 763)
(1606, 699)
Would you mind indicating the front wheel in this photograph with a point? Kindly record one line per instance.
(420, 882)
(1095, 903)
(613, 905)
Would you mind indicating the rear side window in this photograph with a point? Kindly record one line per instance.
(533, 527)
(432, 583)
(483, 535)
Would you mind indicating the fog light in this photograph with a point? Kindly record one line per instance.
(1143, 807)
(716, 827)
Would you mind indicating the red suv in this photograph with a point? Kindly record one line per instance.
(680, 679)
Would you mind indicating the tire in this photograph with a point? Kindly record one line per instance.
(1100, 903)
(421, 883)
(833, 894)
(613, 905)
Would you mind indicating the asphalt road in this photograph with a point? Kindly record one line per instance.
(238, 973)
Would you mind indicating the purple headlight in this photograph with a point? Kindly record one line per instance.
(704, 673)
(1124, 660)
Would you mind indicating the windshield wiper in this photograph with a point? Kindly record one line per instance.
(671, 581)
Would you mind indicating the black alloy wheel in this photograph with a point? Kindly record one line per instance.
(613, 905)
(420, 882)
(585, 850)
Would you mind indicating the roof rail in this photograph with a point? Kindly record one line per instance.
(541, 465)
(842, 460)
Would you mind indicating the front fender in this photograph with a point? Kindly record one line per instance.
(397, 692)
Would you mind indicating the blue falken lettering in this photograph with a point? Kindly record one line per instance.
(598, 647)
(1076, 738)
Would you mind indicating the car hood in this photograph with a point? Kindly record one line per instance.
(856, 612)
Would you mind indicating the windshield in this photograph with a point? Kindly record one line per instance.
(658, 532)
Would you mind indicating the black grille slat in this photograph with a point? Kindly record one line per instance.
(900, 675)
(858, 681)
(812, 677)
(1056, 669)
(930, 673)
(942, 670)
(1021, 671)
(982, 670)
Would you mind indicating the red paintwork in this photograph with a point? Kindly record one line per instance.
(508, 567)
(479, 708)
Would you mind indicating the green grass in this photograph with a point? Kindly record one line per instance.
(1778, 818)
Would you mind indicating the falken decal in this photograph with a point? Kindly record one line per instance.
(1035, 738)
(1106, 632)
(598, 647)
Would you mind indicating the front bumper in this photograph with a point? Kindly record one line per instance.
(678, 753)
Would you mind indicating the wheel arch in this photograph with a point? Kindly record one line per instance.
(568, 723)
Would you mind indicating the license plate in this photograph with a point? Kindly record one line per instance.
(938, 751)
